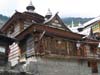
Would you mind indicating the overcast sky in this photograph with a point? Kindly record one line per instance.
(66, 8)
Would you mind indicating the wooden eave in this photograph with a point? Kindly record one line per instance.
(49, 31)
(62, 23)
(23, 16)
(34, 15)
(89, 25)
(7, 40)
(91, 42)
(10, 21)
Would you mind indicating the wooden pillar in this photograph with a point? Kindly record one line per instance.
(38, 44)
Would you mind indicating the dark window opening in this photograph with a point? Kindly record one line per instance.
(89, 64)
(94, 67)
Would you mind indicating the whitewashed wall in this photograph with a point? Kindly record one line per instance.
(59, 67)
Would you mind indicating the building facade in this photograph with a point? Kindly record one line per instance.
(49, 47)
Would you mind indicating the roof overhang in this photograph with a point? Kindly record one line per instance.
(49, 31)
(6, 39)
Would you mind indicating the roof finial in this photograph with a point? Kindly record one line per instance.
(31, 2)
(72, 24)
(30, 7)
(79, 24)
(49, 14)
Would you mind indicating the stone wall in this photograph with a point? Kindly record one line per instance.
(51, 66)
(62, 67)
(48, 66)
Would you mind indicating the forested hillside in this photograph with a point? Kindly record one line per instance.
(76, 20)
(67, 20)
(3, 19)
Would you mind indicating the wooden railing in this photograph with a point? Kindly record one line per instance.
(64, 55)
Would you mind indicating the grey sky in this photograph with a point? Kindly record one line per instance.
(66, 8)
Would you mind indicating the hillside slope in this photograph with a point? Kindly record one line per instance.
(66, 20)
(3, 20)
(76, 20)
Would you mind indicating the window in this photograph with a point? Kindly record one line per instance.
(27, 24)
(11, 29)
(30, 43)
(2, 49)
(60, 44)
(89, 64)
(17, 28)
(30, 46)
(71, 48)
(95, 27)
(56, 21)
(93, 66)
(56, 24)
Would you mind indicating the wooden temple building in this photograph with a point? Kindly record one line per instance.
(55, 49)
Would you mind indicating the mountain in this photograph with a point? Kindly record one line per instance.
(3, 20)
(76, 20)
(66, 20)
